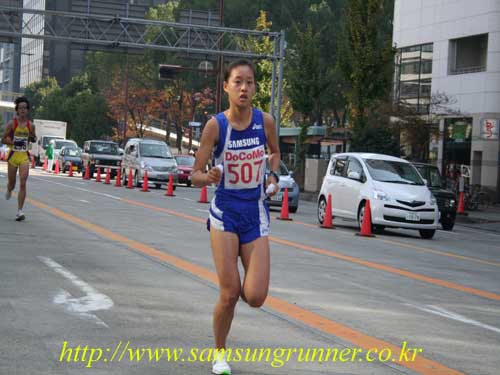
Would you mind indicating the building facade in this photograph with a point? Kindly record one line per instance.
(451, 48)
(61, 59)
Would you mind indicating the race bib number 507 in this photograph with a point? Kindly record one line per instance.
(243, 169)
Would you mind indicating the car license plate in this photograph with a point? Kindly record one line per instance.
(412, 217)
(278, 197)
(75, 167)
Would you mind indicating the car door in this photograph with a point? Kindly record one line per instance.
(333, 184)
(353, 186)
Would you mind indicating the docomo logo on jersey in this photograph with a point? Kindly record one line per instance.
(242, 155)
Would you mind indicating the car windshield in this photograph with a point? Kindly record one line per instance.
(71, 152)
(61, 144)
(393, 172)
(46, 141)
(104, 148)
(283, 169)
(187, 161)
(431, 174)
(154, 150)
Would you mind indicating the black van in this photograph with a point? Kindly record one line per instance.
(446, 199)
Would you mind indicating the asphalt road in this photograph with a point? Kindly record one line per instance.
(114, 270)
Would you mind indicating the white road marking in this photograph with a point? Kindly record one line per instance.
(82, 189)
(205, 211)
(92, 301)
(84, 201)
(188, 199)
(451, 315)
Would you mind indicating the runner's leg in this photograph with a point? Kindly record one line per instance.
(24, 171)
(256, 261)
(11, 174)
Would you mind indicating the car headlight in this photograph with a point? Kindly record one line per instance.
(145, 166)
(380, 195)
(433, 200)
(451, 202)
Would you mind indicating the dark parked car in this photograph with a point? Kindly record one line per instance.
(446, 199)
(103, 154)
(70, 155)
(185, 168)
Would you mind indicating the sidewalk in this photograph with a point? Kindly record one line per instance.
(487, 219)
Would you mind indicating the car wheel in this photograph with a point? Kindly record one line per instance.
(158, 186)
(448, 225)
(321, 209)
(378, 228)
(174, 187)
(136, 180)
(293, 209)
(124, 178)
(427, 233)
(91, 172)
(188, 184)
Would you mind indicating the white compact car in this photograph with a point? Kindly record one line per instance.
(399, 197)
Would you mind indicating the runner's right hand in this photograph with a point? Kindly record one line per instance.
(214, 175)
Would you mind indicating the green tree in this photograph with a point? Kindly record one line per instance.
(366, 56)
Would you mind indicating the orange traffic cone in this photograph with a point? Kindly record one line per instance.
(461, 204)
(107, 181)
(98, 174)
(56, 171)
(366, 226)
(327, 219)
(118, 182)
(45, 165)
(129, 182)
(70, 169)
(170, 190)
(86, 176)
(145, 187)
(203, 195)
(284, 208)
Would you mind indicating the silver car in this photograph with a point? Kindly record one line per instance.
(286, 182)
(149, 155)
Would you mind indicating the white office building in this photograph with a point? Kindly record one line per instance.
(453, 47)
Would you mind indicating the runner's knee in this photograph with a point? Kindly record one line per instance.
(255, 299)
(229, 296)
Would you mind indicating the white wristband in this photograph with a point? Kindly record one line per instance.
(270, 188)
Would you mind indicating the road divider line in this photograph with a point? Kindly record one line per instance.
(421, 364)
(396, 271)
(373, 265)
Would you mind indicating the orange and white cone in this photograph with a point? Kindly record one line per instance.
(327, 219)
(203, 195)
(284, 208)
(145, 183)
(366, 225)
(170, 190)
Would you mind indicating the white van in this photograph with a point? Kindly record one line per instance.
(399, 197)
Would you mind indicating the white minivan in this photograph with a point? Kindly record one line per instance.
(399, 197)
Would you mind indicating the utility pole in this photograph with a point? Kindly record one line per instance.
(220, 64)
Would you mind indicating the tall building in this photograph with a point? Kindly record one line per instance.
(62, 59)
(453, 47)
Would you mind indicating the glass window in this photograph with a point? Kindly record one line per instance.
(185, 160)
(354, 166)
(393, 172)
(340, 167)
(468, 55)
(154, 150)
(104, 148)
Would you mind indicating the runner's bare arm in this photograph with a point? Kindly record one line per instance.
(272, 142)
(6, 139)
(32, 133)
(209, 138)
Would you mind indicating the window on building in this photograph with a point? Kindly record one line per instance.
(468, 55)
(413, 75)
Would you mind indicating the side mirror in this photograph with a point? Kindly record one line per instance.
(354, 176)
(290, 173)
(426, 182)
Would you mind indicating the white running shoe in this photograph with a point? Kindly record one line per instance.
(20, 216)
(220, 366)
(8, 194)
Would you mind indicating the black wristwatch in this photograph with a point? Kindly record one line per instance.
(275, 175)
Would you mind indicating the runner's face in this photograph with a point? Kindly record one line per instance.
(240, 86)
(22, 109)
